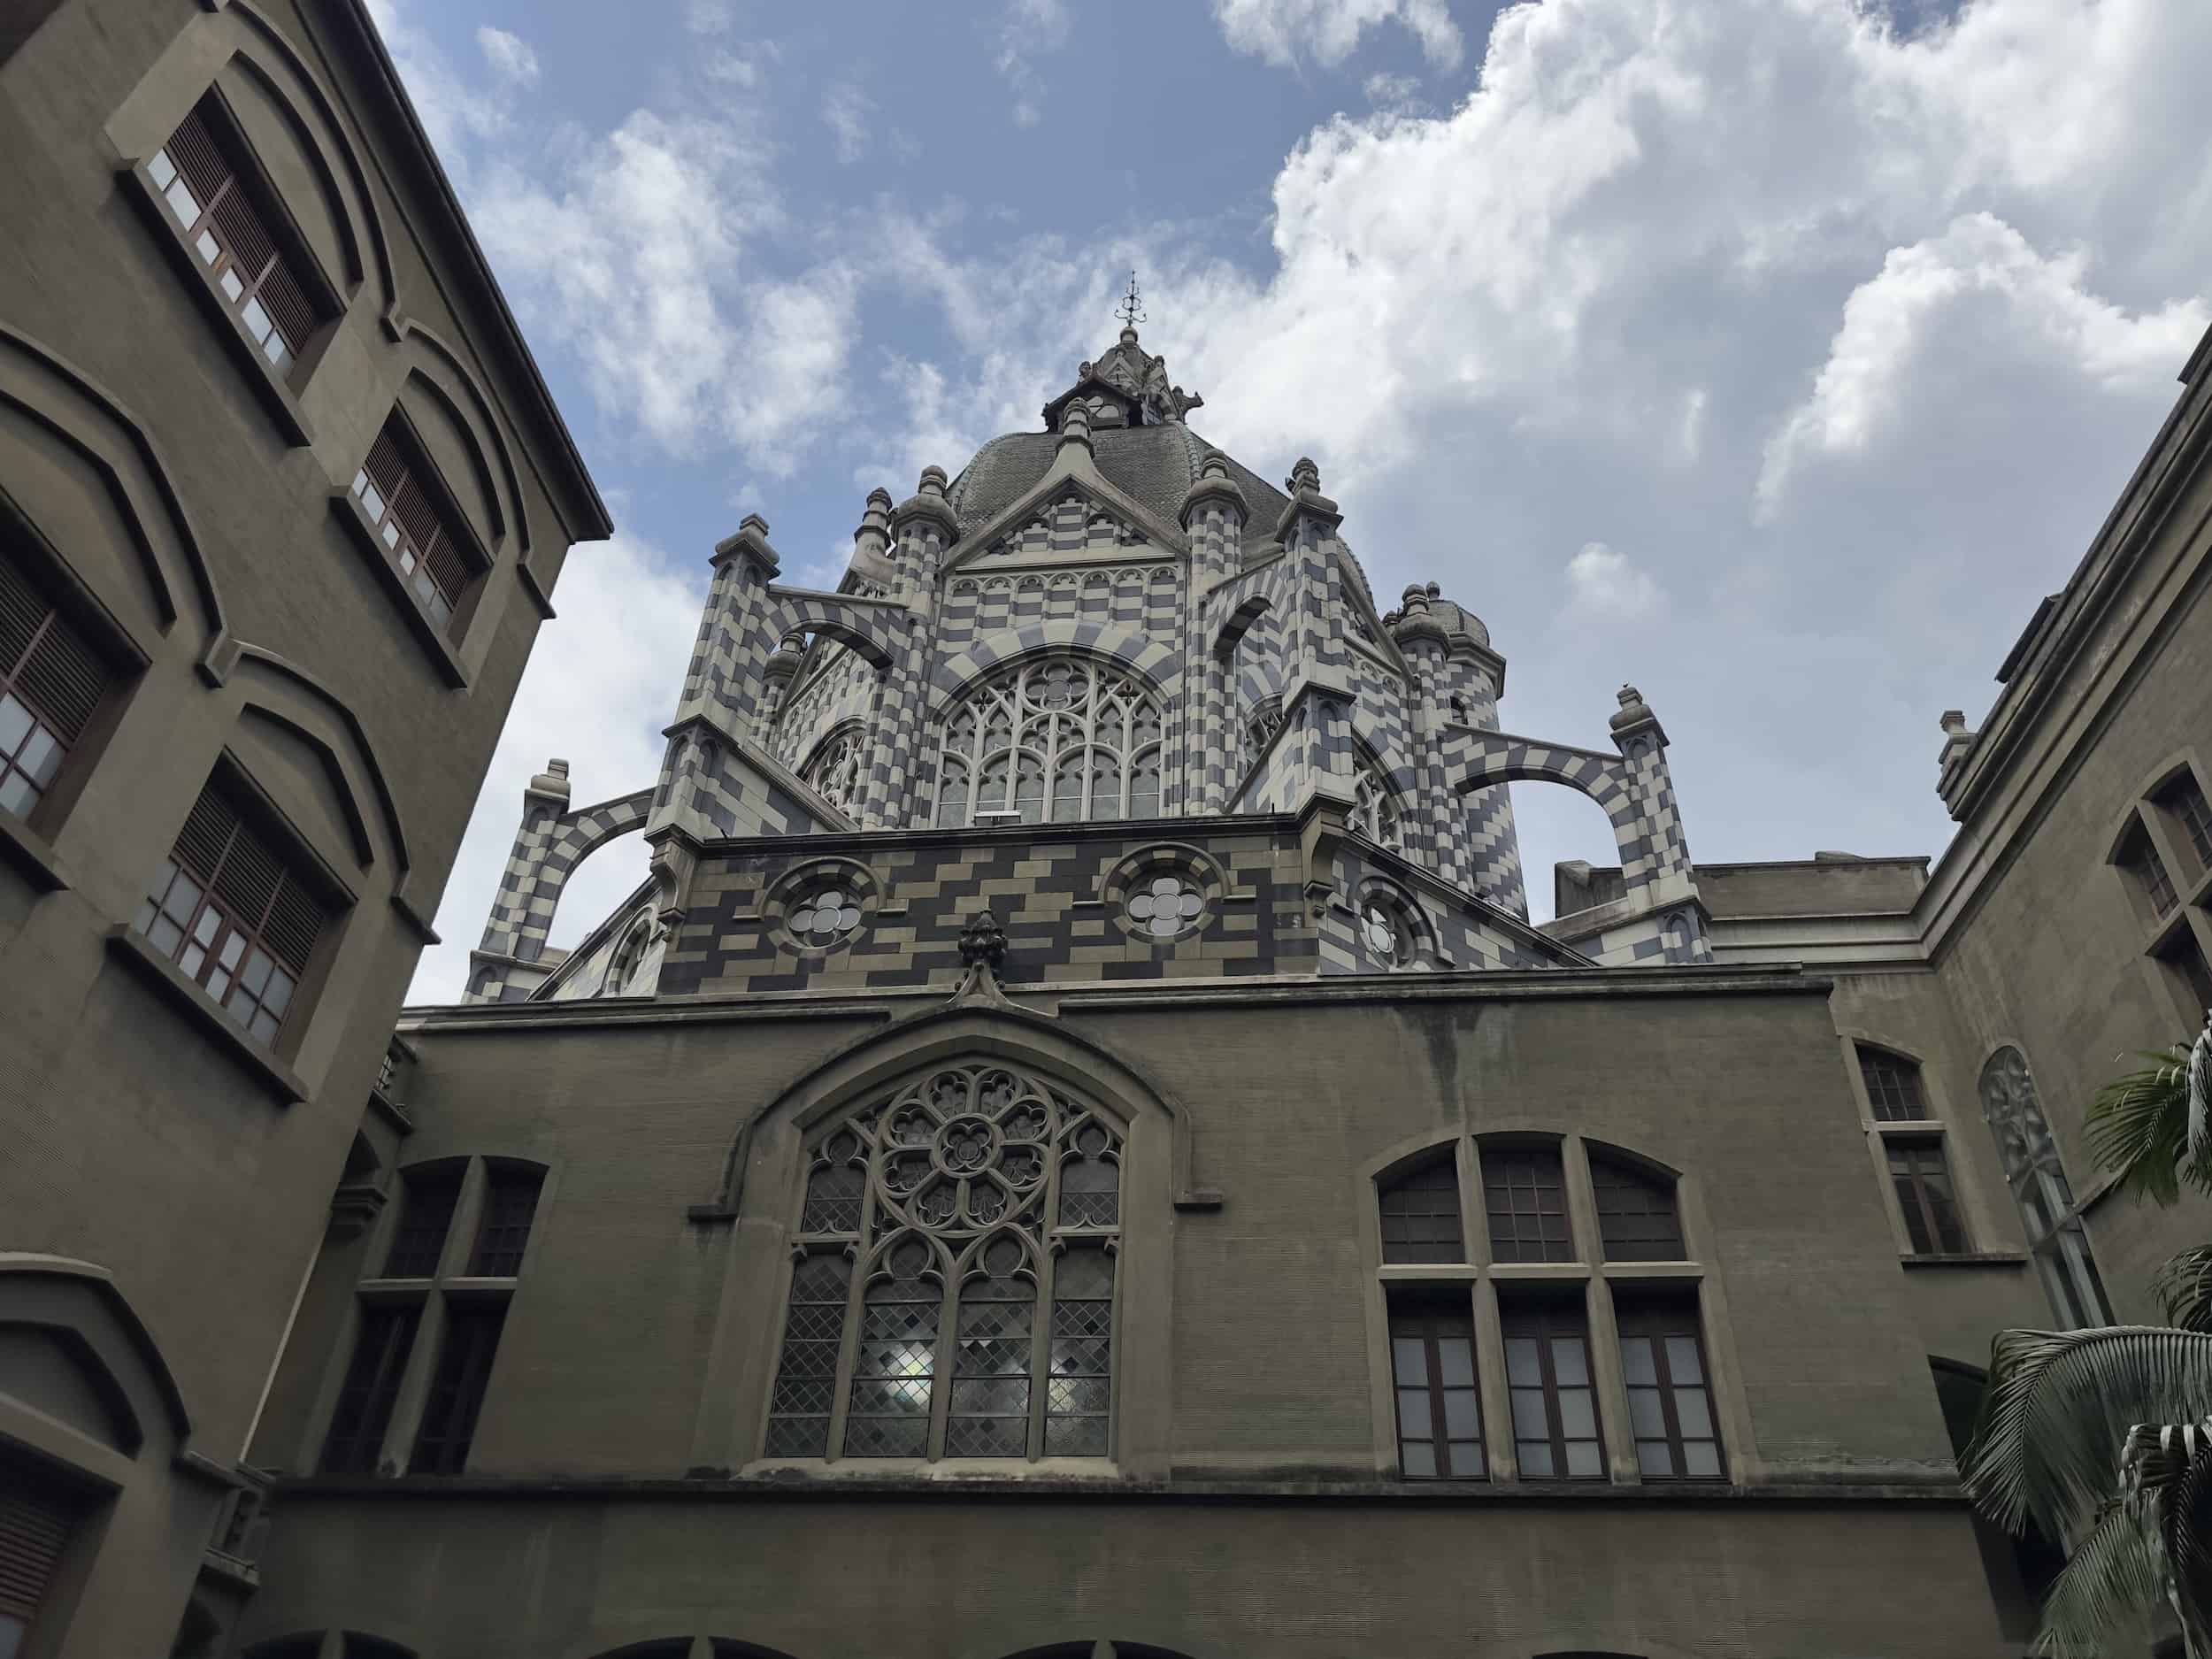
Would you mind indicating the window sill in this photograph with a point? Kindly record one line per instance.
(273, 389)
(279, 1081)
(426, 632)
(30, 854)
(1541, 1271)
(1631, 1270)
(1969, 1258)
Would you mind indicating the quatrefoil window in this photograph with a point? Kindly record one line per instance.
(825, 914)
(1386, 930)
(1167, 905)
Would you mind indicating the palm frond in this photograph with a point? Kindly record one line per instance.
(2183, 1529)
(2112, 1585)
(2183, 1288)
(2142, 1126)
(2043, 1448)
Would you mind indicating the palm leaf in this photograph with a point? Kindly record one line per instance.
(2139, 1126)
(2043, 1448)
(2184, 1289)
(2110, 1587)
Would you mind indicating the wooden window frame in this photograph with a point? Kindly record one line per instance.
(467, 1348)
(73, 641)
(512, 1190)
(1890, 1065)
(383, 1384)
(396, 472)
(1918, 1205)
(1655, 1317)
(1514, 1248)
(1543, 1320)
(439, 1183)
(1642, 1177)
(1429, 1321)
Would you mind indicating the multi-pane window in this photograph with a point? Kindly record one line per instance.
(1636, 1212)
(2057, 1242)
(1420, 1214)
(226, 908)
(511, 1202)
(371, 1387)
(1432, 1376)
(1374, 807)
(212, 198)
(1670, 1401)
(1525, 1190)
(1547, 1379)
(51, 682)
(1057, 739)
(416, 524)
(456, 1388)
(2184, 797)
(978, 1207)
(1892, 1085)
(2141, 858)
(1923, 1180)
(432, 1190)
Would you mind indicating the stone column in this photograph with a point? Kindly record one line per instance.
(1214, 514)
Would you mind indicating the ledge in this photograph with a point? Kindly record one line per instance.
(393, 1112)
(540, 600)
(276, 1079)
(275, 391)
(416, 920)
(1969, 1258)
(433, 642)
(787, 1485)
(31, 855)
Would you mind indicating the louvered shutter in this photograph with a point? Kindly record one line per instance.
(244, 872)
(35, 1521)
(50, 663)
(420, 517)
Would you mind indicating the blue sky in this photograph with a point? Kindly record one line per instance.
(1776, 354)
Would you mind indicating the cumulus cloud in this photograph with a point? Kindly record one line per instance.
(1028, 30)
(510, 56)
(1398, 95)
(1602, 582)
(1283, 31)
(596, 693)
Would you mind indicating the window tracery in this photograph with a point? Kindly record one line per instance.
(834, 771)
(2037, 1175)
(1375, 808)
(956, 1245)
(1058, 739)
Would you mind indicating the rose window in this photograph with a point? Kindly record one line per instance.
(1168, 905)
(825, 916)
(953, 1232)
(1385, 931)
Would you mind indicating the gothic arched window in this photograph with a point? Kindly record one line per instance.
(834, 771)
(954, 1290)
(2038, 1178)
(1056, 739)
(1375, 806)
(623, 966)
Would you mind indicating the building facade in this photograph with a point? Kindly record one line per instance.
(1074, 1148)
(282, 501)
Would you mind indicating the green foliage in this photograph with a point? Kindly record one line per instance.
(2139, 1126)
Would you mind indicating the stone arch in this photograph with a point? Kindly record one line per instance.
(1125, 648)
(553, 848)
(1648, 849)
(471, 408)
(1032, 1040)
(62, 413)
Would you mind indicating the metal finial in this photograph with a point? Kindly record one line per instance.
(1128, 309)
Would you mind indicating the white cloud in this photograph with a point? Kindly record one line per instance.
(1900, 325)
(1397, 94)
(846, 112)
(510, 56)
(1602, 582)
(1030, 29)
(1282, 31)
(599, 689)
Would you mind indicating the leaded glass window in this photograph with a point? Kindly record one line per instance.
(1375, 806)
(2037, 1175)
(955, 1243)
(1057, 739)
(1420, 1214)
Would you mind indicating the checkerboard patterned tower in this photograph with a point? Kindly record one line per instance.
(1108, 619)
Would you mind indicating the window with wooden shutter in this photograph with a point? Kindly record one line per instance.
(51, 683)
(35, 1517)
(226, 909)
(415, 524)
(1420, 1214)
(213, 197)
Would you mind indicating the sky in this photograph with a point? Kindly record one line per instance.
(1775, 356)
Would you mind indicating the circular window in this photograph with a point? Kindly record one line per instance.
(1167, 905)
(1386, 930)
(825, 915)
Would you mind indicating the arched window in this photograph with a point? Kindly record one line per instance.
(1420, 1213)
(1636, 1217)
(834, 771)
(1058, 738)
(623, 966)
(2038, 1178)
(954, 1292)
(1375, 806)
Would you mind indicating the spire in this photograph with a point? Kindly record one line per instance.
(1127, 386)
(1128, 311)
